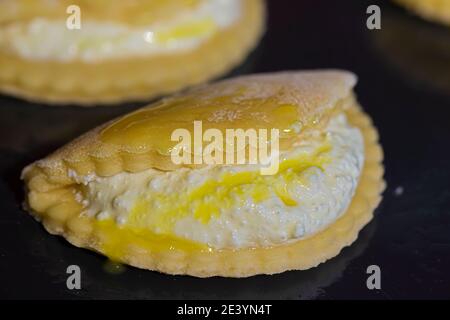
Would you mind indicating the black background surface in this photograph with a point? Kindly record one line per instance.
(404, 84)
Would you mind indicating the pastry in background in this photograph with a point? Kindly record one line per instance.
(124, 50)
(433, 10)
(119, 191)
(419, 52)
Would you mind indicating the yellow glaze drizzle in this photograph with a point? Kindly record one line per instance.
(151, 128)
(115, 240)
(159, 212)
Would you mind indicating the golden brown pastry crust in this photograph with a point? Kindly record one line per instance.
(114, 81)
(51, 199)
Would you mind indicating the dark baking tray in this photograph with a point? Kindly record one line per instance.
(404, 84)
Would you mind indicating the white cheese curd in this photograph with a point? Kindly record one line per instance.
(43, 39)
(317, 196)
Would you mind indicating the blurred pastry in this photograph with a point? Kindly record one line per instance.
(117, 189)
(433, 10)
(124, 50)
(419, 52)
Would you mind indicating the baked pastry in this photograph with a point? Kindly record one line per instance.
(426, 62)
(118, 189)
(433, 10)
(126, 50)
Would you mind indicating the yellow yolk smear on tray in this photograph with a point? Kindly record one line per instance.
(159, 212)
(116, 242)
(150, 129)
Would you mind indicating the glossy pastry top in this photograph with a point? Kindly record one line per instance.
(293, 102)
(262, 102)
(132, 133)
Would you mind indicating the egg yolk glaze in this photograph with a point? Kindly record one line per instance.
(217, 207)
(161, 120)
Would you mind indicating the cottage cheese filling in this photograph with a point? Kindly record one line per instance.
(233, 206)
(43, 39)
